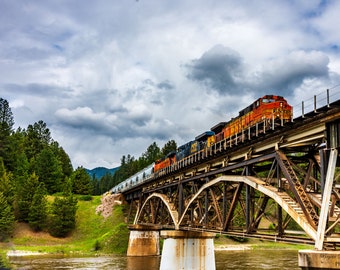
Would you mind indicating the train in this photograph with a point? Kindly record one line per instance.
(135, 179)
(267, 110)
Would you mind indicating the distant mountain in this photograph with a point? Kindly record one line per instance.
(99, 172)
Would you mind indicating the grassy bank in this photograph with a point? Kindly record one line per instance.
(93, 234)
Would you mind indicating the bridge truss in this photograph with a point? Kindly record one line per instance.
(273, 181)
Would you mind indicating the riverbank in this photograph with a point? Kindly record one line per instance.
(222, 243)
(94, 235)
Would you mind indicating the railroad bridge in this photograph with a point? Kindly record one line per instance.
(272, 181)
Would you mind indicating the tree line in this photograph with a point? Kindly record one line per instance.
(34, 166)
(129, 165)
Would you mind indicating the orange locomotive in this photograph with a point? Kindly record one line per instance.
(165, 161)
(269, 109)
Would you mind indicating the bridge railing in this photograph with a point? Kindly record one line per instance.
(320, 100)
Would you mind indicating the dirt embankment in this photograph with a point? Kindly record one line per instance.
(108, 201)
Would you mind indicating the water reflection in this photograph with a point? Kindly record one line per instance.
(257, 259)
(85, 263)
(241, 260)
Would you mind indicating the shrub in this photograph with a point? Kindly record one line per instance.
(85, 198)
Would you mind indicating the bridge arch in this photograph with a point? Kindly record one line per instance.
(280, 198)
(164, 199)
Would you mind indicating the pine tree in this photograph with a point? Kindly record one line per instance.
(81, 182)
(63, 219)
(6, 184)
(37, 137)
(49, 170)
(6, 218)
(169, 147)
(38, 211)
(6, 129)
(25, 197)
(64, 209)
(152, 153)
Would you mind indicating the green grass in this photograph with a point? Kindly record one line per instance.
(93, 234)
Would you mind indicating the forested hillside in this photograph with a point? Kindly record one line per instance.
(33, 166)
(130, 165)
(99, 172)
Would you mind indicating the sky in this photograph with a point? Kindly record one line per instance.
(110, 77)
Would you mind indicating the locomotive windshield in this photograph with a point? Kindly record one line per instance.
(268, 100)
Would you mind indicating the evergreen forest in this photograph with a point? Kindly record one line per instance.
(38, 184)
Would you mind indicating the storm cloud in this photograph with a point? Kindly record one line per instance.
(220, 68)
(111, 77)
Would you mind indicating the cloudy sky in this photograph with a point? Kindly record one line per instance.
(110, 77)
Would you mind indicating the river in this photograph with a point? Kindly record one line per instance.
(241, 260)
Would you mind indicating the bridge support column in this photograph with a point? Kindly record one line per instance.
(187, 250)
(319, 259)
(143, 241)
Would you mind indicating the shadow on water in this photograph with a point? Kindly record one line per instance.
(257, 259)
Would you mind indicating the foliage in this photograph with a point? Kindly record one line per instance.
(37, 137)
(169, 147)
(63, 216)
(85, 198)
(38, 210)
(25, 197)
(63, 158)
(6, 218)
(6, 184)
(81, 182)
(49, 170)
(32, 150)
(29, 158)
(129, 166)
(6, 128)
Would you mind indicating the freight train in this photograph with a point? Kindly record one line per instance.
(267, 110)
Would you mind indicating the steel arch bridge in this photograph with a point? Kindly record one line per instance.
(279, 184)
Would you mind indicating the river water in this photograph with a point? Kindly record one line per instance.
(241, 260)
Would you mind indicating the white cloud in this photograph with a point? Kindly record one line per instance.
(111, 77)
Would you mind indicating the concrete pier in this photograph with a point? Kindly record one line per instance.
(187, 250)
(143, 241)
(319, 259)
